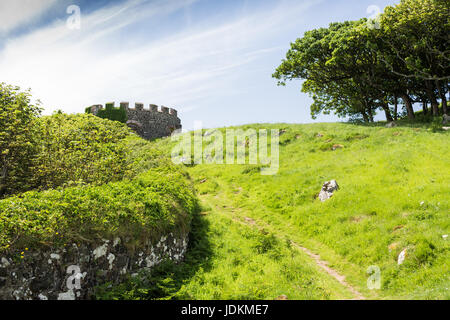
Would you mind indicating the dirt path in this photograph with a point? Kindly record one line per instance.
(319, 262)
(324, 265)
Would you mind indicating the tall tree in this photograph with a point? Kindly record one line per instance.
(417, 35)
(17, 132)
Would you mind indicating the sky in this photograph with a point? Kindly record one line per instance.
(211, 60)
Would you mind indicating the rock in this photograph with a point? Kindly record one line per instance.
(446, 128)
(337, 146)
(445, 236)
(402, 257)
(393, 246)
(391, 125)
(328, 189)
(445, 119)
(73, 274)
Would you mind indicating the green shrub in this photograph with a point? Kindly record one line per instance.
(80, 149)
(17, 139)
(114, 114)
(156, 202)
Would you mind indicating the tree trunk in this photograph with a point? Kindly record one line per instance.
(408, 104)
(3, 177)
(365, 117)
(370, 114)
(432, 98)
(443, 97)
(424, 107)
(387, 112)
(395, 108)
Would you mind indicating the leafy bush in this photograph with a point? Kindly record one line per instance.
(17, 135)
(79, 149)
(111, 113)
(156, 202)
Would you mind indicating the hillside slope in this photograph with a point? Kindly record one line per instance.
(394, 195)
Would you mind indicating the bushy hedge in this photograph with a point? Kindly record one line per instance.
(86, 179)
(79, 149)
(111, 113)
(155, 202)
(17, 135)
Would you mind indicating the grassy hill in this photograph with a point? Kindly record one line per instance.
(250, 240)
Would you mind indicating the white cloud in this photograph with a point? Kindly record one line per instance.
(73, 69)
(14, 13)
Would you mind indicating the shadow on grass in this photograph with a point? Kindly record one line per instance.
(435, 124)
(164, 281)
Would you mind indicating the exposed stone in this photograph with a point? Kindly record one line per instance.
(148, 123)
(391, 125)
(74, 272)
(393, 246)
(445, 119)
(337, 146)
(328, 189)
(402, 257)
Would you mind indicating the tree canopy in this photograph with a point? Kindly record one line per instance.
(356, 68)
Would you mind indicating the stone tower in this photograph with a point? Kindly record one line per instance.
(150, 123)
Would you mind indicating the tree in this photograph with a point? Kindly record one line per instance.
(354, 70)
(417, 38)
(17, 133)
(341, 69)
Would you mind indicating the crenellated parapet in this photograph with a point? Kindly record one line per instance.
(149, 122)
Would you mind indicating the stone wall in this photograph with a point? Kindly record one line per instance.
(72, 273)
(150, 123)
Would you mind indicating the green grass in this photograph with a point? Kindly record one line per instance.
(227, 259)
(394, 189)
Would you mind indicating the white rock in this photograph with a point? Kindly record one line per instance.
(328, 189)
(5, 262)
(111, 259)
(42, 297)
(100, 251)
(445, 236)
(69, 295)
(401, 257)
(55, 256)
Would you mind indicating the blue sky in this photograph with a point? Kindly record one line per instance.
(211, 60)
